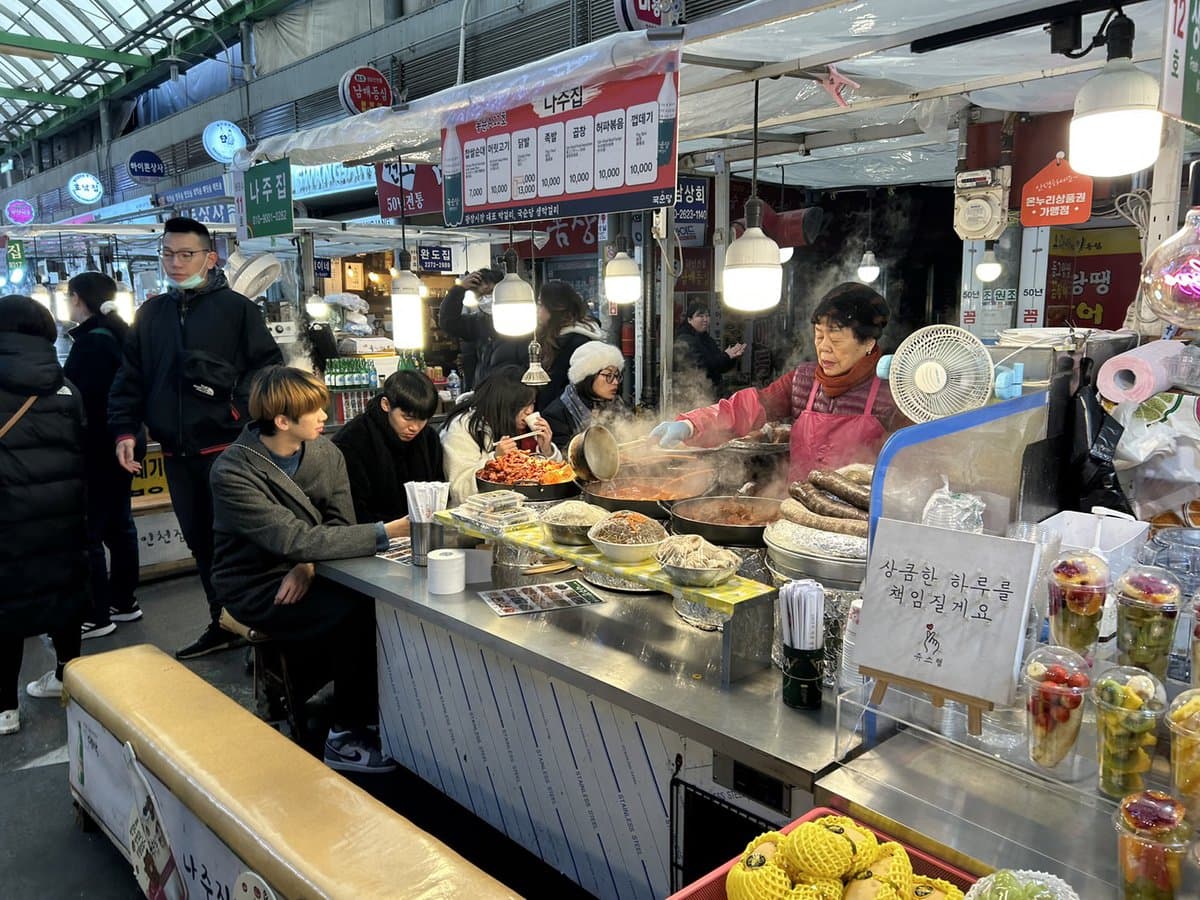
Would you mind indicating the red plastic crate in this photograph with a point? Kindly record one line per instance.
(712, 885)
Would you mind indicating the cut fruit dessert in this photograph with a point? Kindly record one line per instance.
(1147, 607)
(1183, 718)
(1056, 680)
(1078, 584)
(1129, 703)
(1152, 838)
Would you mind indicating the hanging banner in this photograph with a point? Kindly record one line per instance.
(1057, 195)
(408, 190)
(597, 148)
(1093, 276)
(268, 197)
(1180, 95)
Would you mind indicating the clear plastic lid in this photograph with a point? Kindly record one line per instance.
(1082, 570)
(1150, 586)
(1155, 816)
(1183, 715)
(1057, 670)
(1132, 690)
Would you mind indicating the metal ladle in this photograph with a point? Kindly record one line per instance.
(594, 454)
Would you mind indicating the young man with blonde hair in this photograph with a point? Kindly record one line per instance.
(281, 503)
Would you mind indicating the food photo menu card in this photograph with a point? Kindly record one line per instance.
(534, 598)
(399, 551)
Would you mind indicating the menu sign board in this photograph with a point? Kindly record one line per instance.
(595, 148)
(946, 608)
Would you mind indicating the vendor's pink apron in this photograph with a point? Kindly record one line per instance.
(828, 440)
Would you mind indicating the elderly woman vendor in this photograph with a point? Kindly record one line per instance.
(842, 411)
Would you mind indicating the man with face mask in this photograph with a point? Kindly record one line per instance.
(185, 374)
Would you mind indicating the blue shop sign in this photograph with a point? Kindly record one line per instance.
(201, 191)
(146, 167)
(435, 259)
(212, 213)
(322, 267)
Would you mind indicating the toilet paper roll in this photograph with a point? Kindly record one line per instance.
(447, 571)
(1138, 374)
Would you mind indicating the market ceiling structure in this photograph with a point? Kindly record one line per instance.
(898, 126)
(57, 56)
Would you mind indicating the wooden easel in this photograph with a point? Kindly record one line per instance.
(976, 707)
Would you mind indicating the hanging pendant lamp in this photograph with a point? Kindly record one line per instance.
(408, 309)
(622, 275)
(753, 276)
(868, 267)
(514, 309)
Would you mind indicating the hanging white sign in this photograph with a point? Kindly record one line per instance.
(84, 187)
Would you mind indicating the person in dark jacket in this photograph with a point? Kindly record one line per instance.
(281, 503)
(97, 341)
(479, 342)
(185, 375)
(43, 536)
(695, 348)
(593, 396)
(388, 444)
(564, 324)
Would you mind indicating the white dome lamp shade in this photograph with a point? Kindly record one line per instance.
(622, 275)
(408, 309)
(868, 268)
(989, 268)
(1117, 128)
(514, 309)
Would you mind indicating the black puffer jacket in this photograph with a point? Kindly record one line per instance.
(43, 536)
(379, 463)
(697, 350)
(188, 363)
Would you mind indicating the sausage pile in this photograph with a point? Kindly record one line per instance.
(832, 501)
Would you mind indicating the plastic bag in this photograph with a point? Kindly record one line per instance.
(949, 509)
(1158, 456)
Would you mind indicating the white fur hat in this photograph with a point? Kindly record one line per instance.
(592, 358)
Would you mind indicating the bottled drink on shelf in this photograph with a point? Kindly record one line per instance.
(453, 384)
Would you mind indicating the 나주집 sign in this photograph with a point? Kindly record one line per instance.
(407, 190)
(435, 259)
(268, 192)
(1057, 195)
(596, 148)
(946, 608)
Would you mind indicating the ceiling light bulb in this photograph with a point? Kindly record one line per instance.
(753, 276)
(124, 300)
(622, 279)
(989, 268)
(317, 308)
(785, 253)
(514, 308)
(16, 275)
(408, 312)
(868, 268)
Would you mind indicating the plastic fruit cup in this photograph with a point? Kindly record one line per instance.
(1196, 644)
(1078, 584)
(1147, 608)
(1129, 703)
(1056, 681)
(1152, 839)
(1183, 718)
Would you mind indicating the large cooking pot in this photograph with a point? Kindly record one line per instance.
(650, 489)
(564, 490)
(716, 519)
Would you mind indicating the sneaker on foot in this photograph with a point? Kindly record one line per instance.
(92, 630)
(46, 687)
(10, 721)
(130, 613)
(348, 752)
(211, 640)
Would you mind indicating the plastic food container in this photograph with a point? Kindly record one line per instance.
(1152, 838)
(1147, 608)
(1078, 583)
(1056, 682)
(1129, 703)
(1183, 718)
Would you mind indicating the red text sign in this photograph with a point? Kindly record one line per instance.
(364, 88)
(408, 190)
(1057, 195)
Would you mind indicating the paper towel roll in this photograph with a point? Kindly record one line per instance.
(447, 571)
(1138, 374)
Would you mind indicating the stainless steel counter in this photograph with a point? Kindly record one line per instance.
(635, 652)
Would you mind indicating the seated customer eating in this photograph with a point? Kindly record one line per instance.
(388, 444)
(281, 503)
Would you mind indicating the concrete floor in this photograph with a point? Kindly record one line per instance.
(45, 854)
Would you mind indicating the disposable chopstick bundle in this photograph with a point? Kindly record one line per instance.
(802, 614)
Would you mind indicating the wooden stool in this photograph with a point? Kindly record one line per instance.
(275, 690)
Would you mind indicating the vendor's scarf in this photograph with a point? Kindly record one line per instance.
(836, 385)
(577, 408)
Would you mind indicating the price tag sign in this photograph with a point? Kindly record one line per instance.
(597, 148)
(268, 191)
(946, 608)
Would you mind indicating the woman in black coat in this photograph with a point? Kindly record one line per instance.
(98, 340)
(388, 444)
(696, 349)
(43, 536)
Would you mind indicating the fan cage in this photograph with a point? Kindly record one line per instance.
(939, 371)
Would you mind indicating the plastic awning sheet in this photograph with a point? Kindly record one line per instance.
(415, 131)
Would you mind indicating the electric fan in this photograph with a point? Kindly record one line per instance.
(250, 276)
(937, 371)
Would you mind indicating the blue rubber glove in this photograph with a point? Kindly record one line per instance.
(670, 434)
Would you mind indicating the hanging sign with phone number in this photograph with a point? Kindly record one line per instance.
(1180, 96)
(595, 148)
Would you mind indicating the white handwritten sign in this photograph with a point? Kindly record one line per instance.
(946, 608)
